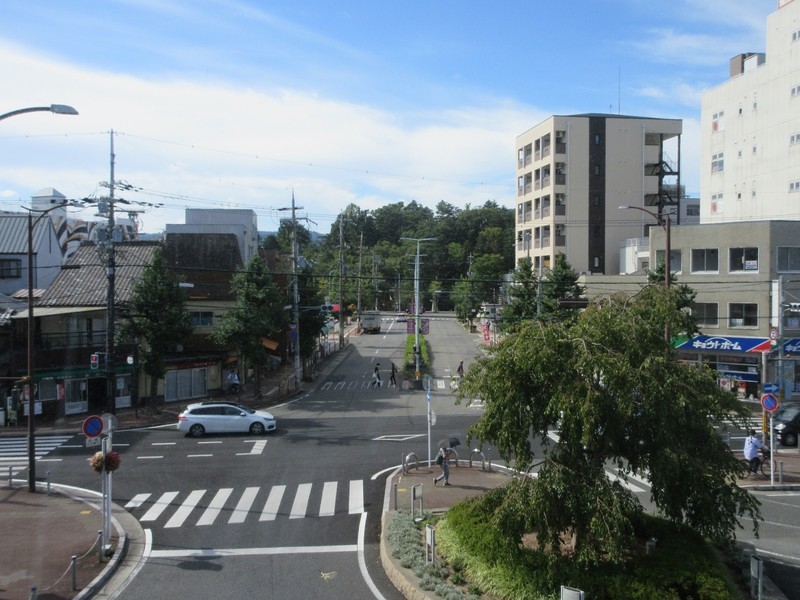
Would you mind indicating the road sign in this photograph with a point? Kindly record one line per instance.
(770, 388)
(95, 441)
(92, 426)
(769, 402)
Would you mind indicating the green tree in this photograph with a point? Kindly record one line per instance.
(561, 282)
(257, 315)
(157, 319)
(465, 299)
(524, 295)
(613, 388)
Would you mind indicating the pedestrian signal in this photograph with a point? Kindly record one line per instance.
(95, 361)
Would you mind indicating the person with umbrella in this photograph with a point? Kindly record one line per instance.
(443, 458)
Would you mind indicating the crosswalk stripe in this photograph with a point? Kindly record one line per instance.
(215, 507)
(137, 500)
(160, 505)
(243, 507)
(327, 505)
(273, 503)
(356, 497)
(300, 501)
(185, 509)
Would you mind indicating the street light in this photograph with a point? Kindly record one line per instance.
(59, 109)
(663, 220)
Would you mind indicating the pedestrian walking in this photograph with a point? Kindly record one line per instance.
(460, 369)
(442, 460)
(392, 377)
(376, 376)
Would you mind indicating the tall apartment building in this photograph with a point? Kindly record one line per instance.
(573, 174)
(751, 130)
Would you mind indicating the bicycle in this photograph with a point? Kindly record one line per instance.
(763, 464)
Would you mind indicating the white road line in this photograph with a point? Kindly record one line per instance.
(198, 455)
(212, 512)
(223, 552)
(243, 507)
(163, 444)
(273, 503)
(300, 501)
(137, 501)
(258, 448)
(339, 385)
(356, 497)
(185, 509)
(326, 386)
(209, 442)
(159, 506)
(627, 484)
(327, 506)
(440, 384)
(148, 457)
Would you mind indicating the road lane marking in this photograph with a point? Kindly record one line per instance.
(356, 497)
(300, 501)
(185, 509)
(273, 503)
(243, 507)
(137, 500)
(223, 552)
(159, 506)
(148, 457)
(215, 507)
(258, 448)
(198, 455)
(327, 505)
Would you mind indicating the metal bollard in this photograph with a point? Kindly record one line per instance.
(48, 483)
(10, 481)
(100, 545)
(394, 492)
(74, 572)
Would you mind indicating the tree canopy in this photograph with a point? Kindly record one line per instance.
(613, 389)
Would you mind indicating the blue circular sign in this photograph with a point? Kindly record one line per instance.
(769, 402)
(92, 426)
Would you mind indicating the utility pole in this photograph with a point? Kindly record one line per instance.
(416, 302)
(111, 388)
(358, 295)
(298, 368)
(341, 282)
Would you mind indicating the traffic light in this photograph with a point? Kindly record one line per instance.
(95, 361)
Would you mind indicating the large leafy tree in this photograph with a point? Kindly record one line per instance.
(257, 316)
(157, 317)
(613, 388)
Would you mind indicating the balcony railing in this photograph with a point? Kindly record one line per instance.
(561, 240)
(561, 210)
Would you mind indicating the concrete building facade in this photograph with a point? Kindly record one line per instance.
(750, 124)
(573, 174)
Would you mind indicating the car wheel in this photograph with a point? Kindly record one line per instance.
(789, 439)
(197, 430)
(257, 428)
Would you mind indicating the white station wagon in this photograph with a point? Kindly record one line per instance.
(224, 417)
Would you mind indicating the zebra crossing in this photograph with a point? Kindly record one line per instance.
(203, 507)
(14, 451)
(366, 383)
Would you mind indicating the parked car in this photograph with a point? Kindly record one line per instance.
(401, 317)
(224, 417)
(786, 424)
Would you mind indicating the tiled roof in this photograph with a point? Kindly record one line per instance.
(83, 280)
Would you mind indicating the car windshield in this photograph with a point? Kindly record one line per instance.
(788, 413)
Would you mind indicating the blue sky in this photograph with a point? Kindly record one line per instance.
(237, 103)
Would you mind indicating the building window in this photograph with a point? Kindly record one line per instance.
(705, 260)
(795, 35)
(10, 268)
(794, 186)
(674, 259)
(796, 91)
(716, 204)
(788, 258)
(742, 315)
(718, 162)
(706, 314)
(794, 139)
(693, 210)
(596, 139)
(597, 169)
(743, 259)
(202, 319)
(718, 121)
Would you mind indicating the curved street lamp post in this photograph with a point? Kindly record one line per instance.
(59, 109)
